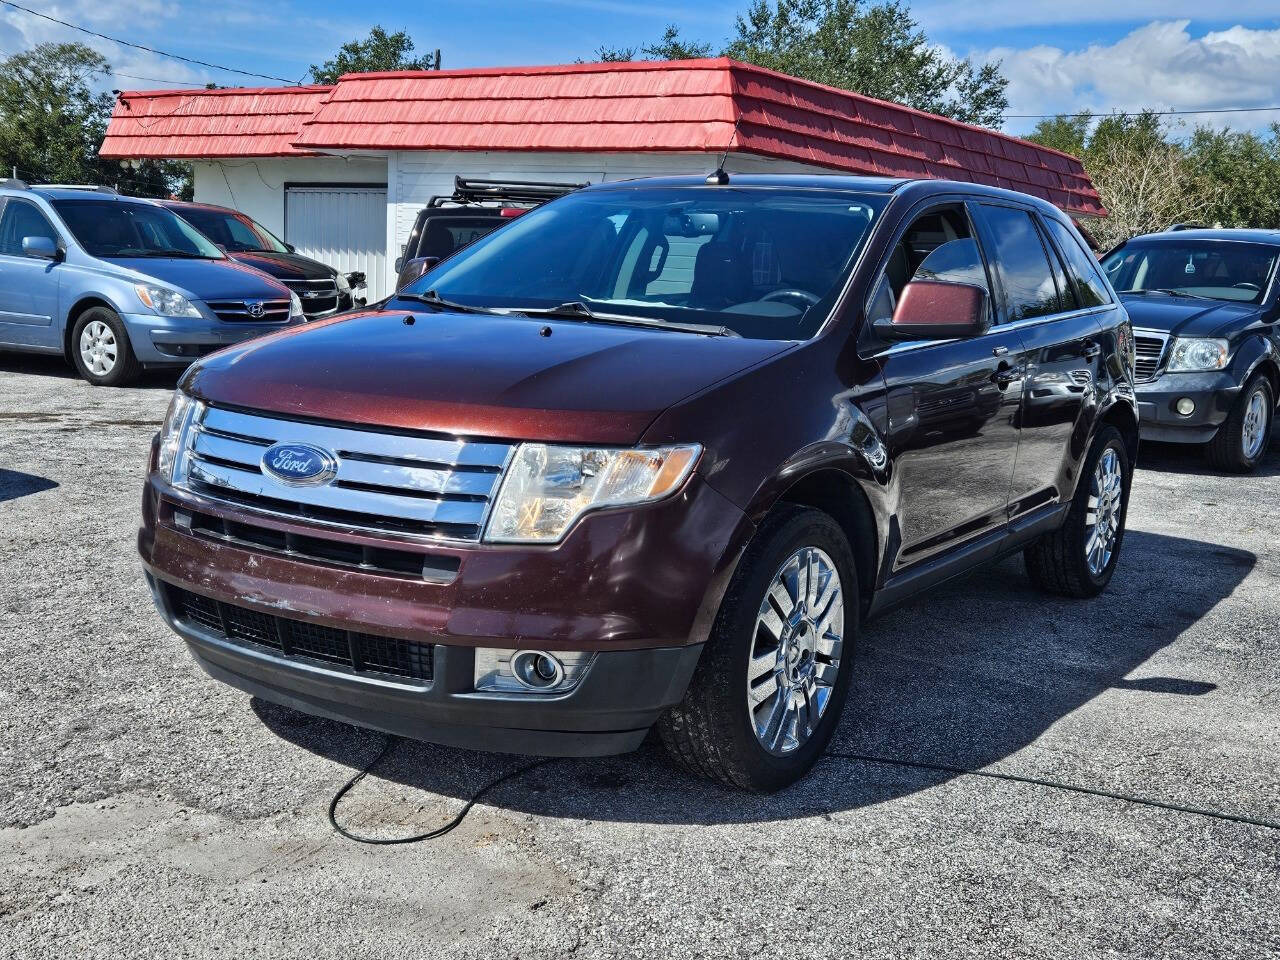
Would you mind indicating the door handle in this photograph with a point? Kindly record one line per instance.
(1091, 350)
(1004, 375)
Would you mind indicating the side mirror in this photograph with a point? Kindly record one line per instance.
(413, 269)
(291, 248)
(356, 279)
(937, 310)
(42, 248)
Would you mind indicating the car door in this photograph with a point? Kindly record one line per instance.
(1063, 350)
(952, 405)
(28, 285)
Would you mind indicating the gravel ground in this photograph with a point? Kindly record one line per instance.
(147, 810)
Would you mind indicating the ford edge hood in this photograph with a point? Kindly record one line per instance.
(475, 374)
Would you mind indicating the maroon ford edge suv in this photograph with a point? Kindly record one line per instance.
(651, 453)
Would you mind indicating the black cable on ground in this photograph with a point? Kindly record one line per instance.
(857, 757)
(1057, 785)
(430, 834)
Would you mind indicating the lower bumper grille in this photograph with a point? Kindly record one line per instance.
(297, 639)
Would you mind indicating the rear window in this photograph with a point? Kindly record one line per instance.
(445, 234)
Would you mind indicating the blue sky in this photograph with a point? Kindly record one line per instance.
(1099, 54)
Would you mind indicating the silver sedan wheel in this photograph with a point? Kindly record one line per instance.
(795, 651)
(98, 348)
(1102, 521)
(1253, 433)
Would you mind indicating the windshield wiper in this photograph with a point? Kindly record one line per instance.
(433, 299)
(1169, 292)
(577, 310)
(179, 255)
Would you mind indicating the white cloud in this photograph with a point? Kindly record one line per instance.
(942, 15)
(1160, 65)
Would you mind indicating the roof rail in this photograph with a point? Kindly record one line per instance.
(467, 190)
(89, 187)
(13, 183)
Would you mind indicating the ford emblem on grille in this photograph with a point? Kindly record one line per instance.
(299, 464)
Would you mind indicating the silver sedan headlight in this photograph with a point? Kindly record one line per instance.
(547, 488)
(1198, 353)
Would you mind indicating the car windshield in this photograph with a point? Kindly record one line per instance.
(232, 231)
(1216, 269)
(765, 263)
(112, 228)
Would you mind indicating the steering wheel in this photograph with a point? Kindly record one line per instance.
(805, 296)
(1246, 285)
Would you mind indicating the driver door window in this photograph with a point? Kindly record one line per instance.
(22, 219)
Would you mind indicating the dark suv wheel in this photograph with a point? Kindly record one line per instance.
(772, 681)
(1079, 558)
(101, 351)
(1242, 440)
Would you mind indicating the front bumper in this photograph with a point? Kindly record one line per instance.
(638, 587)
(158, 341)
(1213, 394)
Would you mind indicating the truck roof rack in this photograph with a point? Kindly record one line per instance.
(87, 187)
(468, 190)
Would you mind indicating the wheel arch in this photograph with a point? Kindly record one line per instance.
(1124, 417)
(838, 494)
(82, 304)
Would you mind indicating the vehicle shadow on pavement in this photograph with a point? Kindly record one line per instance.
(165, 378)
(15, 484)
(964, 677)
(1190, 460)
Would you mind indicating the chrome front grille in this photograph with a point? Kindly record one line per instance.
(428, 486)
(1149, 347)
(247, 311)
(317, 296)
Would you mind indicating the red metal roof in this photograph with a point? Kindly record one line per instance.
(189, 124)
(687, 106)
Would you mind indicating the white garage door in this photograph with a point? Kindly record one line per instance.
(344, 227)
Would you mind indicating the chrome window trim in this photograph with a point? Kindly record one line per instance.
(1001, 328)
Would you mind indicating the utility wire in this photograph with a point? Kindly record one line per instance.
(138, 46)
(1132, 113)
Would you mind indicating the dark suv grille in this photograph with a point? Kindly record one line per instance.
(297, 639)
(243, 311)
(1149, 351)
(317, 296)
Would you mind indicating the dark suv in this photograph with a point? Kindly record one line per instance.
(1205, 306)
(650, 453)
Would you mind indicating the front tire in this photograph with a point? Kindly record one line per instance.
(1242, 440)
(1079, 558)
(771, 684)
(101, 351)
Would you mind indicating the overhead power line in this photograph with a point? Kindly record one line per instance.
(138, 46)
(1131, 113)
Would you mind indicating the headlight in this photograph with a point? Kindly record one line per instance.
(1197, 354)
(166, 302)
(182, 410)
(548, 487)
(344, 286)
(295, 305)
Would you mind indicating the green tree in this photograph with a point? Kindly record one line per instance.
(51, 118)
(878, 50)
(1066, 133)
(670, 47)
(1245, 167)
(377, 52)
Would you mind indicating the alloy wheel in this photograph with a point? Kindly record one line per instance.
(795, 651)
(1102, 521)
(98, 348)
(1253, 430)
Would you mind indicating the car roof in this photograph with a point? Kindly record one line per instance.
(1220, 233)
(916, 188)
(192, 205)
(67, 193)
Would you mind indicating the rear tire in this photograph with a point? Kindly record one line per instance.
(789, 651)
(100, 349)
(1242, 441)
(1070, 561)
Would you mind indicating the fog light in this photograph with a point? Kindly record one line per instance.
(1185, 406)
(529, 671)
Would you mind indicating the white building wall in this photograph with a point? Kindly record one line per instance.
(256, 186)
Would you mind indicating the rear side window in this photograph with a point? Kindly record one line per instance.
(21, 219)
(1090, 288)
(1022, 264)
